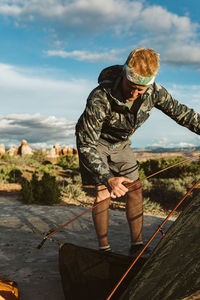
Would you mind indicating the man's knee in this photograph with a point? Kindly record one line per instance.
(102, 193)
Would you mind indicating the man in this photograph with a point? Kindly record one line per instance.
(119, 105)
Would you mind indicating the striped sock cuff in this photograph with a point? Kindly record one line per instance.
(136, 243)
(105, 248)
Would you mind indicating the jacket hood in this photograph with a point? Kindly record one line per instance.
(110, 74)
(109, 79)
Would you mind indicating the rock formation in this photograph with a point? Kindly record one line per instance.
(2, 149)
(12, 151)
(57, 149)
(51, 154)
(66, 150)
(25, 149)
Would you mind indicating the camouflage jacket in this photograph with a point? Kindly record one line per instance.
(108, 119)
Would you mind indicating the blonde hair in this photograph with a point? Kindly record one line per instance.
(143, 61)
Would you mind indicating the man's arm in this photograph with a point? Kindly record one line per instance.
(88, 131)
(180, 113)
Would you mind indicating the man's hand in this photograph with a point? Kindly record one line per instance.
(116, 184)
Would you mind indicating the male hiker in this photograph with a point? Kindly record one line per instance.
(119, 105)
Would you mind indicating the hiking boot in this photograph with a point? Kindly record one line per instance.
(136, 249)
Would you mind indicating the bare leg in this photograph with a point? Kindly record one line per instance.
(100, 215)
(134, 213)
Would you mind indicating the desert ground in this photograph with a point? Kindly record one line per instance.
(37, 271)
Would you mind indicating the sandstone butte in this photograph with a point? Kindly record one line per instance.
(55, 151)
(51, 154)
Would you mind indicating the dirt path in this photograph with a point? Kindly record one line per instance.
(36, 271)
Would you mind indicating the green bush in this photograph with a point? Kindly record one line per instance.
(72, 191)
(154, 165)
(68, 161)
(39, 156)
(167, 191)
(10, 173)
(4, 174)
(34, 160)
(48, 168)
(149, 205)
(44, 191)
(27, 192)
(15, 175)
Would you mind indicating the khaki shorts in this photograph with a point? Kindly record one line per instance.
(120, 158)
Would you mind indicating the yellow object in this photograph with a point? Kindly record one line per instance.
(8, 289)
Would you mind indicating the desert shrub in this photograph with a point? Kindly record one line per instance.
(27, 192)
(34, 160)
(39, 156)
(141, 172)
(48, 168)
(51, 191)
(73, 191)
(4, 174)
(15, 160)
(77, 178)
(15, 176)
(167, 192)
(5, 158)
(151, 206)
(68, 161)
(10, 173)
(44, 191)
(154, 165)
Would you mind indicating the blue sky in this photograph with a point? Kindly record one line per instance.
(53, 50)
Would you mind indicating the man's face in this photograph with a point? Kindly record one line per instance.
(132, 91)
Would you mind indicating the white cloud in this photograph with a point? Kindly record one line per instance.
(95, 15)
(9, 10)
(27, 90)
(38, 130)
(187, 94)
(111, 56)
(182, 53)
(135, 19)
(164, 143)
(161, 131)
(90, 15)
(158, 19)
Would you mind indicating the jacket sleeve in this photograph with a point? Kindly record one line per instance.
(88, 131)
(180, 113)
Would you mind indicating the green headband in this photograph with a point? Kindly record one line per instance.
(136, 78)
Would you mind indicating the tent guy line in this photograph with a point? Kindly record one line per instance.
(51, 232)
(153, 236)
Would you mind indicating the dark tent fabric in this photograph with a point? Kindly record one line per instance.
(91, 274)
(173, 270)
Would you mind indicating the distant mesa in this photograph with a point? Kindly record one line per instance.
(25, 150)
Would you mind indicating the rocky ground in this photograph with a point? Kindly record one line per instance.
(37, 271)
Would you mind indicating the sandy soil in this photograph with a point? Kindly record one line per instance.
(37, 271)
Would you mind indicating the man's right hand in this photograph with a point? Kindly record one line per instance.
(116, 184)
